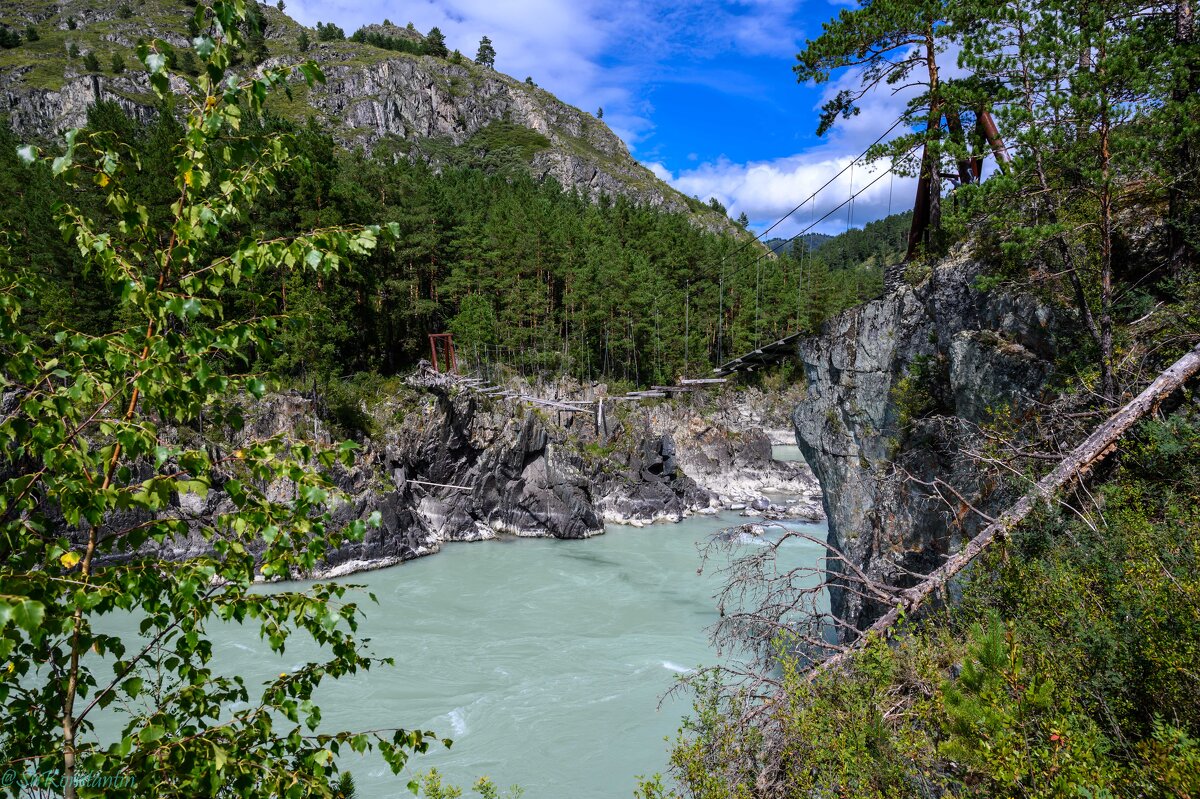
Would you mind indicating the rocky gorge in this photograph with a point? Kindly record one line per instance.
(899, 394)
(446, 465)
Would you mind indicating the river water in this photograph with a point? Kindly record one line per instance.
(544, 660)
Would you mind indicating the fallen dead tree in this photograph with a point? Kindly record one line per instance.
(1092, 451)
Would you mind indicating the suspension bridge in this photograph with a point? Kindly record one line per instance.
(483, 382)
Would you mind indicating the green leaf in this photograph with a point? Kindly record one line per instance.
(204, 46)
(152, 733)
(28, 614)
(155, 63)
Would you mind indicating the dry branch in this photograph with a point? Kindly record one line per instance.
(1094, 449)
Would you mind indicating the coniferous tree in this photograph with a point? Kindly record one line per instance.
(891, 42)
(9, 38)
(485, 56)
(435, 43)
(1082, 75)
(329, 32)
(256, 33)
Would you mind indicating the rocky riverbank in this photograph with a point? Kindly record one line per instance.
(462, 468)
(440, 464)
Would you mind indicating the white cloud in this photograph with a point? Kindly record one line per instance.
(767, 190)
(660, 171)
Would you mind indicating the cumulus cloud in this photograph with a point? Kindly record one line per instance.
(767, 190)
(660, 171)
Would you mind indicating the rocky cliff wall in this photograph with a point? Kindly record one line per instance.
(369, 94)
(419, 97)
(452, 470)
(896, 390)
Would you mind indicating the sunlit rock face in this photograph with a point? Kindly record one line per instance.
(896, 391)
(370, 95)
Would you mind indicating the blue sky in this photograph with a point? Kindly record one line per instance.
(701, 92)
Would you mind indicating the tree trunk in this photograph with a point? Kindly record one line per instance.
(965, 172)
(1180, 253)
(1075, 466)
(987, 126)
(927, 210)
(934, 130)
(920, 220)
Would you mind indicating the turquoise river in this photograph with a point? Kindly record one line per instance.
(544, 660)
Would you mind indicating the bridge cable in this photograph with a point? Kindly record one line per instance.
(833, 210)
(812, 197)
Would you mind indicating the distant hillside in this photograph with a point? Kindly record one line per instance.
(82, 51)
(809, 241)
(876, 244)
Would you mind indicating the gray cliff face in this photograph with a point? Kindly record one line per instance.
(942, 347)
(46, 113)
(368, 97)
(414, 98)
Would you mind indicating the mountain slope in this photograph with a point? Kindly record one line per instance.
(370, 95)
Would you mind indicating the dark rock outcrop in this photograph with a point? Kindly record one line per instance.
(478, 474)
(517, 475)
(896, 390)
(452, 471)
(651, 487)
